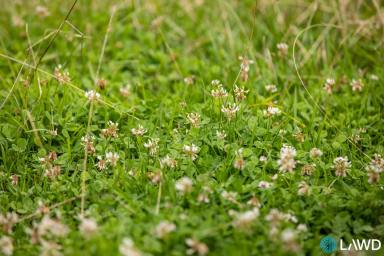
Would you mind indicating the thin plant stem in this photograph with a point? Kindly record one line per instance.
(83, 174)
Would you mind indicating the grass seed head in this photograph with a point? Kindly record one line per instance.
(101, 84)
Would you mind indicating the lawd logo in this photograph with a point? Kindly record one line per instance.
(329, 245)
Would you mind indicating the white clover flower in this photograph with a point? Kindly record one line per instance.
(111, 130)
(329, 85)
(88, 227)
(53, 172)
(287, 162)
(374, 77)
(112, 158)
(139, 131)
(155, 177)
(290, 217)
(203, 198)
(101, 164)
(373, 175)
(274, 216)
(221, 135)
(303, 189)
(289, 239)
(240, 93)
(125, 91)
(282, 49)
(271, 88)
(52, 226)
(164, 228)
(87, 142)
(254, 201)
(308, 169)
(244, 67)
(50, 248)
(239, 163)
(230, 196)
(14, 179)
(194, 119)
(6, 245)
(315, 153)
(87, 139)
(61, 76)
(230, 110)
(169, 162)
(152, 145)
(288, 235)
(127, 248)
(42, 11)
(184, 185)
(196, 246)
(264, 185)
(189, 80)
(263, 159)
(377, 163)
(341, 166)
(219, 92)
(271, 111)
(191, 151)
(302, 228)
(8, 220)
(92, 95)
(245, 63)
(245, 219)
(357, 85)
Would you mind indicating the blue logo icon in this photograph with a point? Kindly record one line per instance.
(328, 244)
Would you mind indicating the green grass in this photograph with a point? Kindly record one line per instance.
(153, 45)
